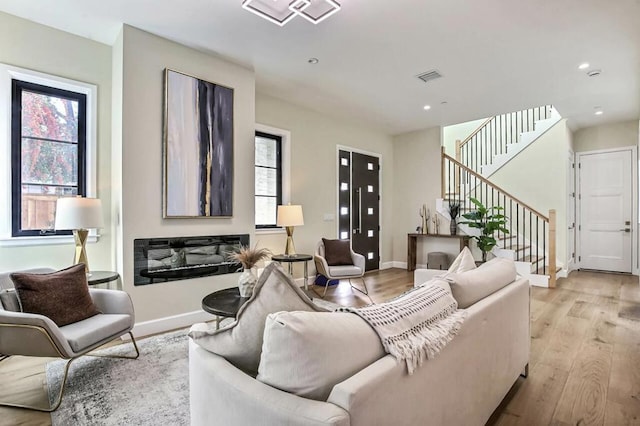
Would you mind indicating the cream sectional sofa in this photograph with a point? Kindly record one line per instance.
(461, 386)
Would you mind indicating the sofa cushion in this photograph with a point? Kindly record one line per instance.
(337, 252)
(81, 335)
(62, 296)
(241, 341)
(345, 271)
(476, 284)
(307, 353)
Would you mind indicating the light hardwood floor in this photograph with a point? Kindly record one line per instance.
(585, 353)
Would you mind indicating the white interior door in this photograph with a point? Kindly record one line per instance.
(571, 212)
(606, 211)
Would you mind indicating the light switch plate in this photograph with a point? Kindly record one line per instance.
(329, 217)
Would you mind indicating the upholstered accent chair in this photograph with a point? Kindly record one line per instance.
(37, 335)
(340, 272)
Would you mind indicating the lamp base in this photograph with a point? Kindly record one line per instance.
(290, 249)
(80, 256)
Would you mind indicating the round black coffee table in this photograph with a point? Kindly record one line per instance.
(223, 303)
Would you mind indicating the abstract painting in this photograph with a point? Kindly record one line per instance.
(198, 147)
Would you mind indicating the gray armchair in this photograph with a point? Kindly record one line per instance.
(341, 272)
(36, 335)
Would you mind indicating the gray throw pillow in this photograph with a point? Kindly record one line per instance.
(471, 286)
(241, 342)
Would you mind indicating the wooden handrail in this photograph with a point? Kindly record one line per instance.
(491, 184)
(475, 132)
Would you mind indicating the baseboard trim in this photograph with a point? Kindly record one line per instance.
(160, 325)
(386, 265)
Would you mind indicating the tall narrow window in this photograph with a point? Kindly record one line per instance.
(48, 154)
(268, 176)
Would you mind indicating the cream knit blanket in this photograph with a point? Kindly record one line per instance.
(416, 325)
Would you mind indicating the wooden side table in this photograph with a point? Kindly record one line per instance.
(223, 303)
(412, 245)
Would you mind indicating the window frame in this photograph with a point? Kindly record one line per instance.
(18, 87)
(7, 73)
(286, 170)
(278, 168)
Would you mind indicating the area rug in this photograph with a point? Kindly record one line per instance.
(151, 390)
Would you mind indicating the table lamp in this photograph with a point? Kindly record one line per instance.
(79, 214)
(290, 216)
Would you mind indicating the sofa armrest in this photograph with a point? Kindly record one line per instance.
(223, 395)
(31, 335)
(112, 301)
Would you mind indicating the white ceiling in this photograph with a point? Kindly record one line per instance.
(496, 55)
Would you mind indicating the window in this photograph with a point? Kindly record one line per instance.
(268, 175)
(48, 154)
(48, 139)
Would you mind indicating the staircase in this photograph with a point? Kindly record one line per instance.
(531, 240)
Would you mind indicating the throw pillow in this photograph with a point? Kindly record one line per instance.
(241, 342)
(337, 252)
(472, 286)
(464, 262)
(308, 353)
(62, 296)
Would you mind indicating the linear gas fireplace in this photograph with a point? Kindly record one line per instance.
(168, 259)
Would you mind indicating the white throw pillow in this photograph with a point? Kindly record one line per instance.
(307, 353)
(463, 263)
(241, 342)
(476, 284)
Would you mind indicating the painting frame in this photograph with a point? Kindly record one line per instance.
(198, 147)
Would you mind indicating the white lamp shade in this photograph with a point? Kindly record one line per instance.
(290, 216)
(78, 213)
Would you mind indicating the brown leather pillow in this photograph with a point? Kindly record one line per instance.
(337, 252)
(62, 296)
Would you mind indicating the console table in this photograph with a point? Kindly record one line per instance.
(412, 245)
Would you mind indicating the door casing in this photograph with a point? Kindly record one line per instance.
(380, 192)
(634, 204)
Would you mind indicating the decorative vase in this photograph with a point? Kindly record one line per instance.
(247, 281)
(453, 227)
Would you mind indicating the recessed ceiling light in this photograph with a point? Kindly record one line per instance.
(583, 66)
(426, 107)
(594, 73)
(444, 103)
(313, 60)
(599, 112)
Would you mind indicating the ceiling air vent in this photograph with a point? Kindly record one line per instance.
(429, 75)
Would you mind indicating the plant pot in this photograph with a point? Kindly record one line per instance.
(453, 227)
(247, 281)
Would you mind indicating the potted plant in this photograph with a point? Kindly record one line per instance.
(248, 257)
(454, 211)
(488, 220)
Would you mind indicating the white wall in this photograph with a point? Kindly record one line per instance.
(458, 132)
(29, 45)
(416, 165)
(144, 58)
(314, 138)
(538, 177)
(606, 136)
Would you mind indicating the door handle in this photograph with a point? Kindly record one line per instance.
(625, 230)
(359, 210)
